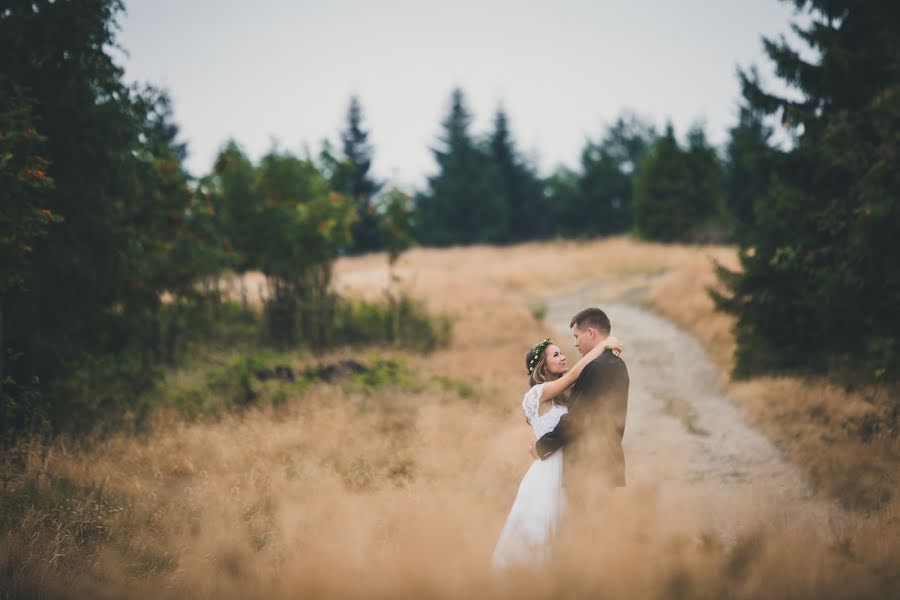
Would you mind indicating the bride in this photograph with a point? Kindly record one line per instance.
(540, 502)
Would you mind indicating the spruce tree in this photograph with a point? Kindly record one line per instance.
(628, 140)
(705, 204)
(561, 193)
(748, 167)
(518, 186)
(606, 185)
(820, 280)
(462, 204)
(605, 194)
(663, 192)
(355, 180)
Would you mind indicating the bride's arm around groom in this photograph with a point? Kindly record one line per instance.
(600, 391)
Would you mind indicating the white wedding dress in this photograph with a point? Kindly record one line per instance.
(540, 502)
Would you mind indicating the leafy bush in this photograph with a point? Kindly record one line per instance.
(234, 382)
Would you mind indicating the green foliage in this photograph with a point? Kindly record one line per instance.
(597, 199)
(563, 195)
(87, 291)
(679, 191)
(605, 195)
(402, 322)
(283, 219)
(463, 204)
(485, 191)
(24, 222)
(748, 168)
(24, 185)
(101, 392)
(539, 311)
(209, 384)
(820, 279)
(355, 182)
(234, 382)
(662, 192)
(707, 199)
(608, 173)
(395, 224)
(250, 380)
(383, 372)
(517, 186)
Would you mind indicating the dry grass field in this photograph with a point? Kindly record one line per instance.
(401, 491)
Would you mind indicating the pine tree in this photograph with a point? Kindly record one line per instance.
(606, 185)
(705, 204)
(820, 281)
(605, 192)
(663, 192)
(519, 187)
(628, 140)
(356, 182)
(748, 167)
(561, 194)
(462, 204)
(678, 193)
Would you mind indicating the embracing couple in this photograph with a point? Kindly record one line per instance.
(578, 419)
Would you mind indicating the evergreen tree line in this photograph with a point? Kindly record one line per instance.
(631, 179)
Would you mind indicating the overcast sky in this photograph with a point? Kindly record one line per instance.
(285, 69)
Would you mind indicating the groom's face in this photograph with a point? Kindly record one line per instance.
(585, 339)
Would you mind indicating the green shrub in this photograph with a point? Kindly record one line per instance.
(403, 323)
(384, 372)
(234, 383)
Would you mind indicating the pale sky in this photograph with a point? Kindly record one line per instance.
(285, 69)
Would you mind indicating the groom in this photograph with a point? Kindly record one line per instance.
(592, 430)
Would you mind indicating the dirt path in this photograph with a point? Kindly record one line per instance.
(684, 439)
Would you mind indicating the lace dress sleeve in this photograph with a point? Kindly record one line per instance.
(532, 401)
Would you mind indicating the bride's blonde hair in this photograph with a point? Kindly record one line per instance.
(540, 373)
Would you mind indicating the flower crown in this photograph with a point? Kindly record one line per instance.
(536, 354)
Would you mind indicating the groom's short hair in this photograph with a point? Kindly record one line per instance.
(592, 317)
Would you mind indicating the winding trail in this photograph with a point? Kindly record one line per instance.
(684, 438)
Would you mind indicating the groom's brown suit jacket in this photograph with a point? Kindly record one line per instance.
(592, 430)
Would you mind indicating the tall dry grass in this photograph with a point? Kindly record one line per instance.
(394, 493)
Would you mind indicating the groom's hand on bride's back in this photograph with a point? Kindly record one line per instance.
(532, 450)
